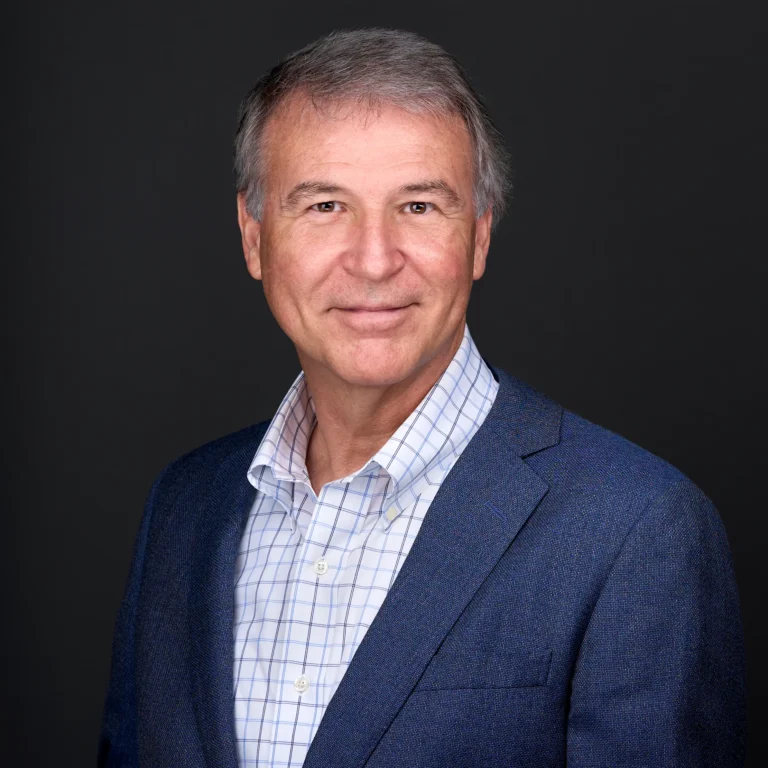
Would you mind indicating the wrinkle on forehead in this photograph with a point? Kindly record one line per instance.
(301, 108)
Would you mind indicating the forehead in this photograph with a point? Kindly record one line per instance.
(302, 139)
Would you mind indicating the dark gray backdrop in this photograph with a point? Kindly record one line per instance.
(628, 281)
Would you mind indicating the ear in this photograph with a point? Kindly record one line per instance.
(482, 243)
(250, 230)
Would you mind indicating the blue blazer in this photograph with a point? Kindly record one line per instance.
(569, 600)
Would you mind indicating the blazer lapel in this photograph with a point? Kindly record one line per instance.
(211, 609)
(479, 509)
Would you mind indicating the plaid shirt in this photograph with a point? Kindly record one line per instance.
(313, 571)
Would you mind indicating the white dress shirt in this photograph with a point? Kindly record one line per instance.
(312, 571)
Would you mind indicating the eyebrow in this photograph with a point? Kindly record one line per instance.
(310, 189)
(436, 186)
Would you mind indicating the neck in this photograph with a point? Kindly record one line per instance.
(354, 422)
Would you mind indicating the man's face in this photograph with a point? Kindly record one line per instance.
(368, 242)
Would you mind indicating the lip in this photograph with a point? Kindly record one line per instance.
(373, 319)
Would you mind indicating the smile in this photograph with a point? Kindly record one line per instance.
(374, 319)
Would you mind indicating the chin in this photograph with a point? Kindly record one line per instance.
(373, 366)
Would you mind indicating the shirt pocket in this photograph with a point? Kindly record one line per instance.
(470, 668)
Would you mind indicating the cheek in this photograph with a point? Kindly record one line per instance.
(442, 255)
(292, 276)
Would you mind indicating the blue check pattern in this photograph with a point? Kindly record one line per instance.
(313, 571)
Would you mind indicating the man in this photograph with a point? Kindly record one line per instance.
(419, 561)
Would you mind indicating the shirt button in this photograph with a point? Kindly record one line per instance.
(301, 684)
(391, 514)
(321, 566)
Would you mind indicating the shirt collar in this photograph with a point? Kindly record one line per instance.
(434, 433)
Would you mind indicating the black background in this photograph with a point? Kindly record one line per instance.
(628, 281)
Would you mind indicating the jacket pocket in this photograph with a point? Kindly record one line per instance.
(469, 668)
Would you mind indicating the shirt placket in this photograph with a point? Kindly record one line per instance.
(292, 693)
(339, 517)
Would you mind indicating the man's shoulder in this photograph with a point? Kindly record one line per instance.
(570, 450)
(597, 469)
(211, 454)
(597, 450)
(230, 453)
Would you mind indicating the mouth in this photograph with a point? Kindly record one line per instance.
(377, 311)
(371, 319)
(374, 309)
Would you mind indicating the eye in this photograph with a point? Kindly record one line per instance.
(328, 206)
(419, 208)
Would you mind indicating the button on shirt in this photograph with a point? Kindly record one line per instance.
(312, 571)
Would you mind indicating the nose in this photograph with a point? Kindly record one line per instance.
(374, 254)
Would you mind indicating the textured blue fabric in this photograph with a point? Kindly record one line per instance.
(569, 600)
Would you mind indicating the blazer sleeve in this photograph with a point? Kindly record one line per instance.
(118, 746)
(660, 676)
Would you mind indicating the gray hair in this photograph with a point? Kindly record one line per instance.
(373, 66)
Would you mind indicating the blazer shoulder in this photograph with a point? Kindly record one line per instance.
(616, 478)
(214, 451)
(611, 452)
(201, 465)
